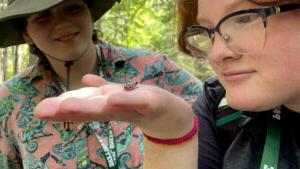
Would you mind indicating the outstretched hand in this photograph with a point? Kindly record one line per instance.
(156, 111)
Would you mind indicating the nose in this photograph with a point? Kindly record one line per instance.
(60, 18)
(219, 52)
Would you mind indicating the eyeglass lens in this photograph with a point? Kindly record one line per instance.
(243, 33)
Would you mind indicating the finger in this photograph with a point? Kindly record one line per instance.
(134, 101)
(82, 109)
(85, 92)
(93, 80)
(69, 110)
(83, 106)
(111, 89)
(47, 108)
(95, 108)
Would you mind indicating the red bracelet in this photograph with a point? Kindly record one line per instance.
(179, 140)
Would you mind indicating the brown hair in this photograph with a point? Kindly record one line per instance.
(188, 10)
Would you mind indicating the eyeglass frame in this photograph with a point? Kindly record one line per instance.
(263, 12)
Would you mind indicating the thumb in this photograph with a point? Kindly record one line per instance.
(91, 80)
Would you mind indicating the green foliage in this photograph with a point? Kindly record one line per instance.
(10, 64)
(147, 24)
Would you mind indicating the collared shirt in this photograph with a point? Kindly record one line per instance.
(30, 143)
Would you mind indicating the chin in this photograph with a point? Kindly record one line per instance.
(73, 55)
(249, 103)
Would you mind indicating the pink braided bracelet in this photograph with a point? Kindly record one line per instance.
(179, 140)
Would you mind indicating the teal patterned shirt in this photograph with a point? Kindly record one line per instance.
(30, 143)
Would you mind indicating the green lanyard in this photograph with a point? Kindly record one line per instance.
(110, 150)
(272, 145)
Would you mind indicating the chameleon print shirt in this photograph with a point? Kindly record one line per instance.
(30, 143)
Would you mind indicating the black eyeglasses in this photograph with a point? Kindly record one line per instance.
(243, 31)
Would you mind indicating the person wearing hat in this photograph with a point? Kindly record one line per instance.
(60, 33)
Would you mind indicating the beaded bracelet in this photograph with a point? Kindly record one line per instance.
(179, 140)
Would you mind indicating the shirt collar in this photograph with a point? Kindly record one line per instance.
(111, 58)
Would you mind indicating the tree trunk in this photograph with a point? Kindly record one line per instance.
(4, 64)
(1, 73)
(16, 59)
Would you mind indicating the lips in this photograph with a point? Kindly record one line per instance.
(66, 36)
(236, 72)
(234, 75)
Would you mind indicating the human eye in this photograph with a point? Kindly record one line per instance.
(246, 18)
(42, 17)
(198, 30)
(74, 8)
(198, 38)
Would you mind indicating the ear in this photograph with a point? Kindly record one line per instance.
(27, 38)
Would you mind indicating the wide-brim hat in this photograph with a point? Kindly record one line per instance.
(16, 9)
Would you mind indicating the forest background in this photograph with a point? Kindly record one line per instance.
(150, 24)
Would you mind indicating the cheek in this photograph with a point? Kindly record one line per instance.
(85, 18)
(85, 24)
(279, 68)
(90, 24)
(213, 65)
(37, 34)
(282, 50)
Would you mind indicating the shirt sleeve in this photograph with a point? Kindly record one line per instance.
(8, 156)
(150, 68)
(8, 150)
(210, 154)
(162, 72)
(188, 87)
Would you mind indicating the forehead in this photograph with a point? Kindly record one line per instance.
(58, 6)
(65, 2)
(211, 11)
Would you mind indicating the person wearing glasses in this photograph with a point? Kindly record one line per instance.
(248, 115)
(60, 33)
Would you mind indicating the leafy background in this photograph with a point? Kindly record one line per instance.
(150, 24)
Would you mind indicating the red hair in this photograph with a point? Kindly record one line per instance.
(188, 10)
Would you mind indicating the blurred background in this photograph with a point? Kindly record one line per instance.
(150, 24)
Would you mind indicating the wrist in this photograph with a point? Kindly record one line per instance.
(172, 120)
(176, 140)
(170, 125)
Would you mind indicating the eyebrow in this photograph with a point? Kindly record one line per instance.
(230, 7)
(234, 5)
